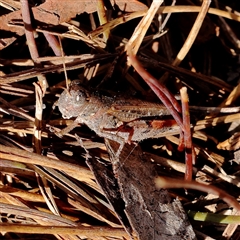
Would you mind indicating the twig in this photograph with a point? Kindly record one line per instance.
(89, 232)
(140, 31)
(53, 43)
(164, 182)
(193, 33)
(187, 134)
(102, 18)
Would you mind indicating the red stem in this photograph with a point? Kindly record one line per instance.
(161, 91)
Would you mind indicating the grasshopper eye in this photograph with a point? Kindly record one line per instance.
(78, 94)
(77, 98)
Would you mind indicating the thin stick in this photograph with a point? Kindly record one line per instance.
(190, 39)
(140, 31)
(29, 30)
(187, 134)
(164, 182)
(31, 41)
(102, 18)
(53, 43)
(89, 232)
(193, 33)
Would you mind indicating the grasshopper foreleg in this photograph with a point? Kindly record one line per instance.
(67, 129)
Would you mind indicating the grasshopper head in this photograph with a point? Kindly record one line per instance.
(72, 101)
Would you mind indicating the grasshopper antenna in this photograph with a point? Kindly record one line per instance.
(122, 164)
(63, 62)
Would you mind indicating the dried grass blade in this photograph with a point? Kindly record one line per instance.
(89, 232)
(13, 154)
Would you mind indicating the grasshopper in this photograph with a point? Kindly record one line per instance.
(119, 118)
(115, 117)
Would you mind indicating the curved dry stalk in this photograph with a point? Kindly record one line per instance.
(190, 38)
(140, 31)
(193, 33)
(163, 10)
(164, 182)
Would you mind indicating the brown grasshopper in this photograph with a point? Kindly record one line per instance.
(116, 118)
(119, 118)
